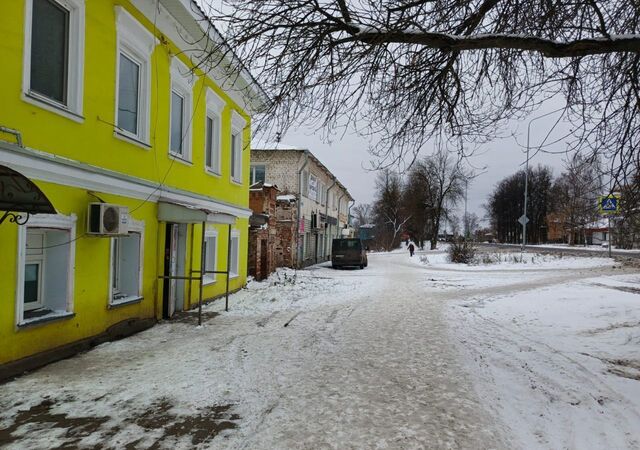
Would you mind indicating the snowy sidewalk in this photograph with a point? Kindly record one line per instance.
(367, 359)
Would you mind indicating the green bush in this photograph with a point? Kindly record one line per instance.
(462, 252)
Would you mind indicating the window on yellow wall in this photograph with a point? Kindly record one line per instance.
(212, 143)
(236, 156)
(210, 252)
(135, 45)
(177, 123)
(128, 94)
(238, 124)
(213, 133)
(46, 268)
(234, 264)
(181, 110)
(54, 57)
(125, 268)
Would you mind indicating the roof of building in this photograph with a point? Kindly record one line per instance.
(271, 147)
(195, 21)
(286, 198)
(260, 185)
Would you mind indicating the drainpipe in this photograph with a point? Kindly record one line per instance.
(339, 204)
(306, 161)
(327, 235)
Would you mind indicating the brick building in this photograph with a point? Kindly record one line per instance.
(313, 205)
(262, 230)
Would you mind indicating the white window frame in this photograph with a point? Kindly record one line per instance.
(49, 221)
(39, 260)
(238, 123)
(252, 173)
(135, 226)
(182, 84)
(211, 277)
(75, 62)
(215, 105)
(137, 44)
(235, 235)
(312, 181)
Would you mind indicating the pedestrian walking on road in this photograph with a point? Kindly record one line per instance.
(411, 249)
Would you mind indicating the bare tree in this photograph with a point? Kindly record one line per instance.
(443, 178)
(626, 230)
(505, 205)
(362, 214)
(471, 224)
(409, 71)
(575, 195)
(389, 215)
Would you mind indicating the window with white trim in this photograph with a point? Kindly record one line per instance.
(313, 187)
(234, 263)
(180, 110)
(236, 157)
(237, 126)
(258, 173)
(210, 252)
(54, 54)
(129, 94)
(133, 62)
(213, 127)
(46, 252)
(126, 268)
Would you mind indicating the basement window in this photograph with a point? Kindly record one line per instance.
(235, 255)
(210, 252)
(46, 260)
(125, 274)
(125, 268)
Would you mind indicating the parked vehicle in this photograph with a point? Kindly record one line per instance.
(348, 252)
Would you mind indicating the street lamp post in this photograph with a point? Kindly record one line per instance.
(526, 177)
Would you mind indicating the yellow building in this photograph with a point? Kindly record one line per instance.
(111, 110)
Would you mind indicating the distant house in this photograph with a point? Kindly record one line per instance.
(597, 232)
(311, 197)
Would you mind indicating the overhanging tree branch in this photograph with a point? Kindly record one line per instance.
(409, 73)
(547, 47)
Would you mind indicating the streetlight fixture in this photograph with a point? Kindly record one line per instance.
(523, 220)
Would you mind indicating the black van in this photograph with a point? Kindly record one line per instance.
(348, 252)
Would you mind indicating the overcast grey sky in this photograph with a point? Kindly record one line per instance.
(347, 156)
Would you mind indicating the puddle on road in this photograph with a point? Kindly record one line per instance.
(200, 428)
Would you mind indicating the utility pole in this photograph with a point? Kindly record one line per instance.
(524, 218)
(465, 218)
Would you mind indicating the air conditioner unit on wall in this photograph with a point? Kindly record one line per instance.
(104, 219)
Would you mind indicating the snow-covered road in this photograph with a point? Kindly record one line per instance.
(368, 359)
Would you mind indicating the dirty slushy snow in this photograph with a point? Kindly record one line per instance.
(384, 357)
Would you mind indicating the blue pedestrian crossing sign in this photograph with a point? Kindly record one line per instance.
(609, 204)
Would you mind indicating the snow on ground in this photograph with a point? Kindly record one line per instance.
(399, 355)
(509, 260)
(560, 366)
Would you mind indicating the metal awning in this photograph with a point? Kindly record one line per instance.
(18, 194)
(191, 214)
(183, 213)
